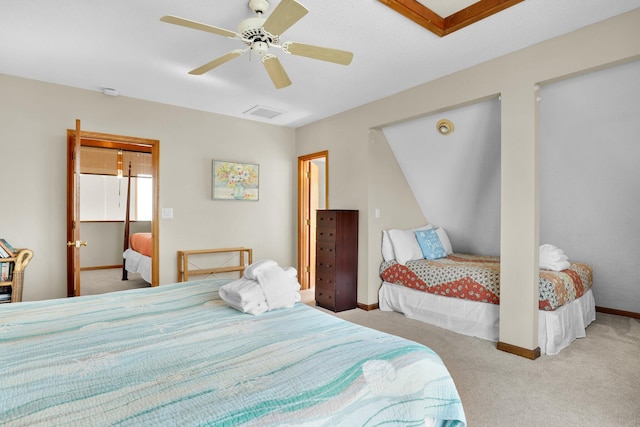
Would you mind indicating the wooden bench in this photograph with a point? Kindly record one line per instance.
(245, 258)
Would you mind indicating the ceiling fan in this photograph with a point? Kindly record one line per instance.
(259, 34)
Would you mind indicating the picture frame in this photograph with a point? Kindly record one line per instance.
(235, 180)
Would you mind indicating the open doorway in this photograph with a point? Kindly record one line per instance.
(103, 156)
(313, 194)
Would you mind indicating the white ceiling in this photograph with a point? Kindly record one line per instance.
(122, 44)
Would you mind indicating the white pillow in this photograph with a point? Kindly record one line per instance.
(251, 271)
(387, 247)
(405, 245)
(444, 239)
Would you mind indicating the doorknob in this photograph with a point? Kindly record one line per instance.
(77, 243)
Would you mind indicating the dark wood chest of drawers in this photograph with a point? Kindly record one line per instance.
(337, 259)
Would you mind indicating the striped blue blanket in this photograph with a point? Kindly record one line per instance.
(177, 355)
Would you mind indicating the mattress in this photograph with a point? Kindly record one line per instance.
(177, 355)
(477, 278)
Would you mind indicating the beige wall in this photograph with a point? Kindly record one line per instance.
(514, 77)
(34, 117)
(355, 181)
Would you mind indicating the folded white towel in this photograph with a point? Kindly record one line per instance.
(550, 251)
(551, 257)
(251, 271)
(244, 295)
(267, 286)
(241, 290)
(292, 274)
(276, 285)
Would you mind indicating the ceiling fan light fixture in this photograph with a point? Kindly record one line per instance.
(445, 127)
(260, 48)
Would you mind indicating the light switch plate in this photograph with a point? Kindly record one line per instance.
(167, 213)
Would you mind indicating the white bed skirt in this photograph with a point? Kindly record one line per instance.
(138, 263)
(556, 329)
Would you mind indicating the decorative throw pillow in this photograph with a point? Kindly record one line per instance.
(430, 244)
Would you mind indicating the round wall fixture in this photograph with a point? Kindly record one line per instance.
(445, 127)
(110, 92)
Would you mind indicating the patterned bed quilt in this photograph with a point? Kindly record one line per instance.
(477, 278)
(177, 355)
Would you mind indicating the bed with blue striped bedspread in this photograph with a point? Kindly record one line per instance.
(177, 355)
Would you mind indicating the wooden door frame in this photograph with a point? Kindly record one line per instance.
(303, 239)
(128, 143)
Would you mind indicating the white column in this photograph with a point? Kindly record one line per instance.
(519, 221)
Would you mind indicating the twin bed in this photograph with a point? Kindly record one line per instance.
(177, 355)
(461, 293)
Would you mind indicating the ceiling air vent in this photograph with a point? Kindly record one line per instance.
(264, 112)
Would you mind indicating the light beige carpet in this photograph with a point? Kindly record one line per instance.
(593, 382)
(94, 282)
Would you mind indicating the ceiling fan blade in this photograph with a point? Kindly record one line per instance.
(287, 13)
(341, 57)
(198, 26)
(218, 61)
(278, 76)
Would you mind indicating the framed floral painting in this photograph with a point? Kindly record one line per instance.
(235, 181)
